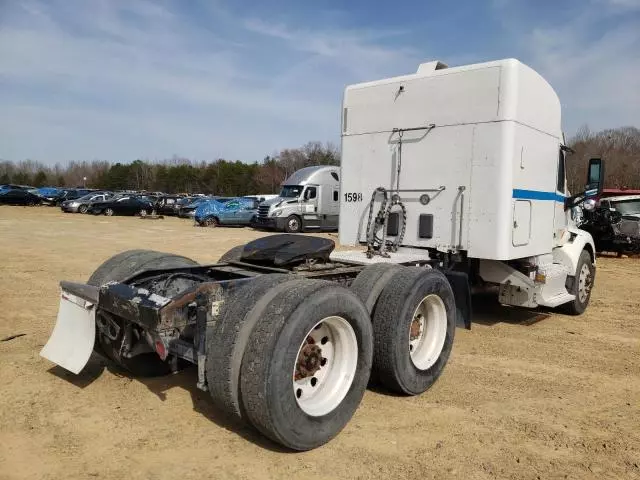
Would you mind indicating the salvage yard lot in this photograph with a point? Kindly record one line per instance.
(525, 394)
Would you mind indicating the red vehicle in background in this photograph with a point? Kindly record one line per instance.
(618, 192)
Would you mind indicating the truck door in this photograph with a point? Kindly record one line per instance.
(310, 199)
(310, 215)
(331, 209)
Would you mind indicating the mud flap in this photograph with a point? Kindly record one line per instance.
(74, 334)
(459, 282)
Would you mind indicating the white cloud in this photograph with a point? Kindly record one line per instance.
(628, 4)
(151, 83)
(590, 55)
(596, 73)
(120, 80)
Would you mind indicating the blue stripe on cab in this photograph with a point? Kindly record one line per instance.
(537, 195)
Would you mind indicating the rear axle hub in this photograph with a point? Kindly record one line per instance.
(309, 361)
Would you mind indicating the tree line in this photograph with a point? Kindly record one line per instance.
(175, 175)
(620, 148)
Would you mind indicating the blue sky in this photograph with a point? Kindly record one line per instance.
(120, 80)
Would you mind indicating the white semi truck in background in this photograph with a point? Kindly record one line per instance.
(309, 200)
(450, 177)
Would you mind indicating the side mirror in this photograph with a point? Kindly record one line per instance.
(595, 178)
(594, 186)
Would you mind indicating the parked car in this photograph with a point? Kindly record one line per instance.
(186, 200)
(82, 204)
(168, 204)
(51, 199)
(188, 210)
(235, 211)
(123, 205)
(19, 197)
(48, 191)
(13, 186)
(148, 197)
(56, 199)
(619, 192)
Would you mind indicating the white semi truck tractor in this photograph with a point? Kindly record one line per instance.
(450, 178)
(309, 201)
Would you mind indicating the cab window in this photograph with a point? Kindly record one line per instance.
(310, 193)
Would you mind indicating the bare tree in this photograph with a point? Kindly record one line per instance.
(619, 147)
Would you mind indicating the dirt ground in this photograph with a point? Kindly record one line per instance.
(525, 395)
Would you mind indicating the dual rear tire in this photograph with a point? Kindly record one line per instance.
(414, 320)
(293, 357)
(414, 325)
